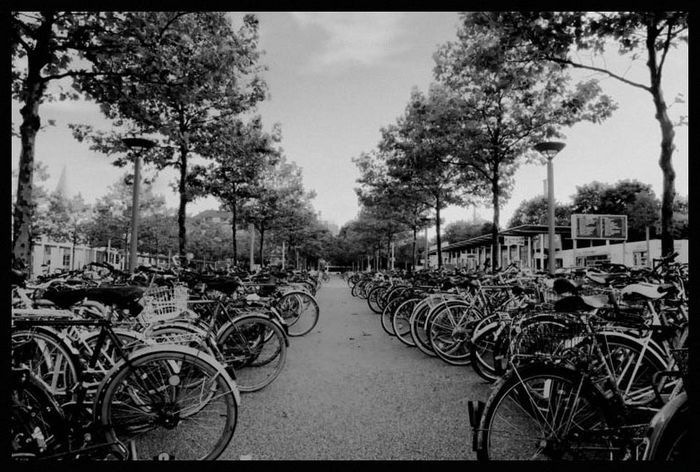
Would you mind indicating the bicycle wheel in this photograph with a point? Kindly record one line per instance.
(169, 400)
(51, 359)
(300, 311)
(373, 299)
(401, 321)
(388, 314)
(633, 365)
(543, 412)
(481, 349)
(37, 424)
(450, 329)
(671, 439)
(417, 323)
(256, 348)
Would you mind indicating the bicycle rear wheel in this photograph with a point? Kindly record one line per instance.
(169, 400)
(256, 348)
(401, 321)
(544, 412)
(300, 311)
(450, 329)
(49, 357)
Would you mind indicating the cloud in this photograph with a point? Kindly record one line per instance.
(364, 38)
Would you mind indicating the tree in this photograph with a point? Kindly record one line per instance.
(241, 152)
(535, 212)
(557, 37)
(626, 197)
(398, 200)
(186, 70)
(110, 222)
(417, 156)
(281, 191)
(44, 47)
(40, 199)
(503, 105)
(461, 230)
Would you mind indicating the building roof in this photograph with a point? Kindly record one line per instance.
(522, 230)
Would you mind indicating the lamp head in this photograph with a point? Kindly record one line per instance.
(139, 143)
(549, 148)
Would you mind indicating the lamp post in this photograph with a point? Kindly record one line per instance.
(140, 145)
(550, 149)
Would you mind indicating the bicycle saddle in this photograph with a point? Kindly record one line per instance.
(579, 303)
(123, 296)
(605, 278)
(562, 285)
(646, 290)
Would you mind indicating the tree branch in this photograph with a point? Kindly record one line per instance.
(597, 69)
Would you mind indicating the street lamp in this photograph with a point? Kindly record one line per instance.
(140, 145)
(550, 149)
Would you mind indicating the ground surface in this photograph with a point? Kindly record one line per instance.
(349, 391)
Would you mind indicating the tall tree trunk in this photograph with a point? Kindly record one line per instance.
(182, 187)
(496, 217)
(233, 230)
(34, 90)
(415, 233)
(262, 241)
(437, 231)
(667, 146)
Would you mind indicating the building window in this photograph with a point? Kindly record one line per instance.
(597, 259)
(66, 258)
(640, 258)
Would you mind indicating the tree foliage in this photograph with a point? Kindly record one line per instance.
(503, 104)
(46, 47)
(534, 211)
(559, 37)
(183, 71)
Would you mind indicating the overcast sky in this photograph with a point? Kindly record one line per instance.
(336, 78)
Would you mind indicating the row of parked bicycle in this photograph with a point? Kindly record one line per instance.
(149, 365)
(589, 364)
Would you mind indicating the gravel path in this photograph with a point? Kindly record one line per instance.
(351, 392)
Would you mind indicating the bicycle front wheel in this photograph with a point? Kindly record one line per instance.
(171, 401)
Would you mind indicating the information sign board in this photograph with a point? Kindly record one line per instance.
(514, 240)
(605, 227)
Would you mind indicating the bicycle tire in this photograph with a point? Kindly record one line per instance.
(256, 358)
(401, 320)
(528, 393)
(388, 314)
(417, 323)
(450, 338)
(300, 312)
(157, 424)
(54, 360)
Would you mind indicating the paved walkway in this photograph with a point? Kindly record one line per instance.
(349, 391)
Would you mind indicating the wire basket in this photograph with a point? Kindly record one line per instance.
(549, 340)
(163, 303)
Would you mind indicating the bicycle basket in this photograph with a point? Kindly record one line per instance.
(163, 303)
(548, 340)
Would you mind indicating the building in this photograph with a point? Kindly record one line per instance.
(527, 245)
(51, 256)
